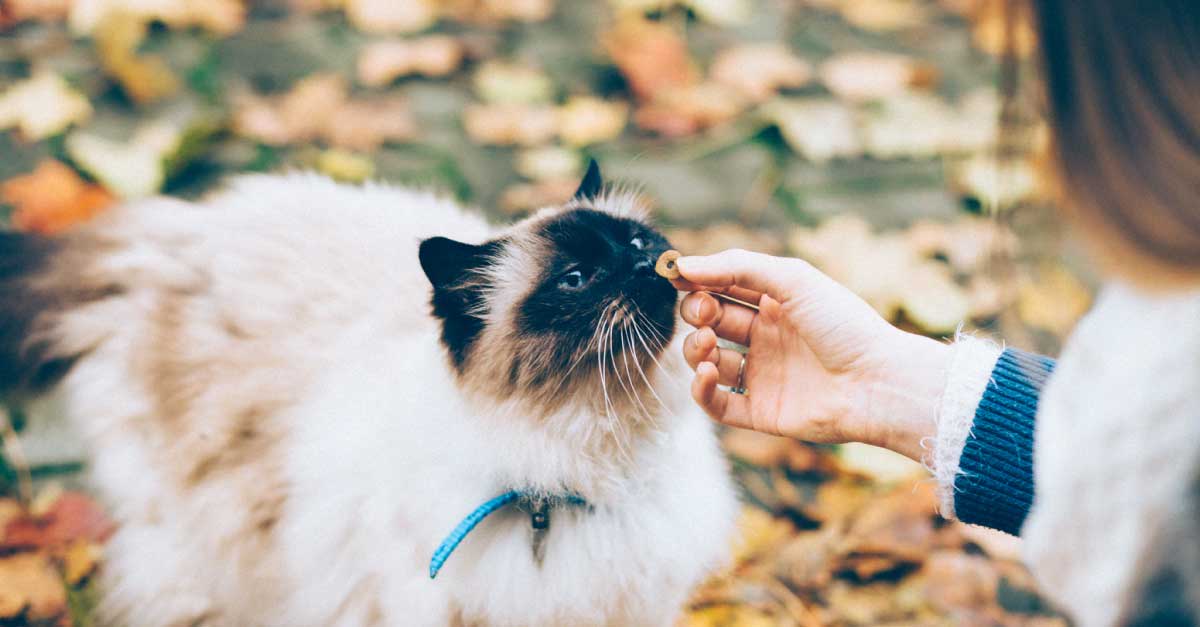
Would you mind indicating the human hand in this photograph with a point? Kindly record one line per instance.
(821, 364)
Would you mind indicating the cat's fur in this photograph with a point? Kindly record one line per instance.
(285, 433)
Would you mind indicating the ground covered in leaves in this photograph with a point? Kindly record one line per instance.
(887, 141)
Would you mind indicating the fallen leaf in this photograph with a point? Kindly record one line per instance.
(144, 78)
(758, 71)
(957, 580)
(884, 15)
(80, 560)
(759, 533)
(524, 125)
(488, 11)
(908, 124)
(881, 465)
(133, 169)
(886, 271)
(368, 123)
(989, 29)
(933, 301)
(728, 615)
(52, 198)
(319, 108)
(864, 75)
(687, 110)
(381, 62)
(72, 516)
(756, 448)
(585, 120)
(818, 129)
(14, 11)
(345, 166)
(1052, 299)
(966, 243)
(995, 183)
(222, 17)
(548, 163)
(42, 105)
(30, 588)
(652, 56)
(390, 16)
(897, 526)
(528, 197)
(722, 12)
(723, 235)
(504, 82)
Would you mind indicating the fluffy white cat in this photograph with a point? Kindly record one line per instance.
(286, 432)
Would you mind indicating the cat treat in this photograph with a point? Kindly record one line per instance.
(666, 267)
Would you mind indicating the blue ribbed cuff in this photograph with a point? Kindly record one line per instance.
(995, 487)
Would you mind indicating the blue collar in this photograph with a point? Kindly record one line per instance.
(539, 520)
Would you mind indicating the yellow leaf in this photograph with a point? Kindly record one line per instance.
(145, 78)
(758, 533)
(345, 166)
(1054, 300)
(29, 583)
(79, 560)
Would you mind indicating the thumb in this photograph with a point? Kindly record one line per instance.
(778, 277)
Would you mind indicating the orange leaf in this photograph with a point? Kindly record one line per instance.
(652, 56)
(52, 198)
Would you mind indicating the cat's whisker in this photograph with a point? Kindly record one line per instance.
(627, 338)
(642, 370)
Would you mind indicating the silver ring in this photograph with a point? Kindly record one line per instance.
(740, 388)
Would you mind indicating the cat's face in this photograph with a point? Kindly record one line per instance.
(566, 297)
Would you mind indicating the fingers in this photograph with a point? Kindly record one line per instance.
(721, 405)
(780, 277)
(701, 347)
(730, 321)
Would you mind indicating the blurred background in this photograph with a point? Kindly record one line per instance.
(894, 143)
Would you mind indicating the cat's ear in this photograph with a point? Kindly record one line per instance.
(446, 261)
(592, 183)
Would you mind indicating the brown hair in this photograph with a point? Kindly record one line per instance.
(1122, 87)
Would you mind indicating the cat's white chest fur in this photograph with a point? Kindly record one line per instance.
(283, 440)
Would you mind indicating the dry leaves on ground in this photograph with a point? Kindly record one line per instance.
(47, 548)
(319, 108)
(824, 546)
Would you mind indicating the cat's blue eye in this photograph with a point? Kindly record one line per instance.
(573, 280)
(638, 243)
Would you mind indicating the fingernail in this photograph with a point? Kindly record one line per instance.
(706, 310)
(694, 307)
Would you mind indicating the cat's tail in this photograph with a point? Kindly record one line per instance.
(35, 286)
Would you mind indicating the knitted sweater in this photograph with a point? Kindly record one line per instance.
(1086, 458)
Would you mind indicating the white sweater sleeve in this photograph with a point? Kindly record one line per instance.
(966, 380)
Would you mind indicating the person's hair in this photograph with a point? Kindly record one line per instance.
(1122, 89)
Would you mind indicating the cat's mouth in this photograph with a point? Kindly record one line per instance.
(629, 330)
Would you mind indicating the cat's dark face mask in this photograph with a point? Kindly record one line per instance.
(594, 303)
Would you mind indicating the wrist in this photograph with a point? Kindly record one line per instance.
(903, 395)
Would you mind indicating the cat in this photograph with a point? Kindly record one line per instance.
(293, 390)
